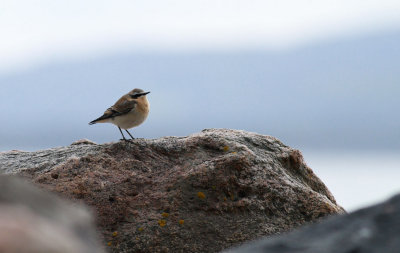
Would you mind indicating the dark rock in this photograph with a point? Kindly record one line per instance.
(201, 193)
(32, 220)
(371, 230)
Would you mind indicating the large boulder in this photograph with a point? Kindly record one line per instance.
(201, 193)
(371, 230)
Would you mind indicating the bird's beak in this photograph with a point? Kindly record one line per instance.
(144, 93)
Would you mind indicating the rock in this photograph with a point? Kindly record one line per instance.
(15, 161)
(35, 221)
(83, 141)
(371, 230)
(201, 193)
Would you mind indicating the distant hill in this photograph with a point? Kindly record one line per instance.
(342, 94)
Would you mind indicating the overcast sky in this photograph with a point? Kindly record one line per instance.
(37, 31)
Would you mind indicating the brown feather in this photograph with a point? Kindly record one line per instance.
(124, 105)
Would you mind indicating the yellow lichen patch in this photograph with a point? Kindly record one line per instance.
(165, 215)
(201, 195)
(140, 229)
(234, 153)
(162, 223)
(225, 199)
(181, 222)
(109, 244)
(226, 148)
(114, 234)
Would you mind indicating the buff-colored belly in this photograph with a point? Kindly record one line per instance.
(132, 119)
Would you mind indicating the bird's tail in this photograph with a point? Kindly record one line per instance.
(96, 120)
(102, 119)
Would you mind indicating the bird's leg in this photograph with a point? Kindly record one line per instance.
(129, 134)
(122, 134)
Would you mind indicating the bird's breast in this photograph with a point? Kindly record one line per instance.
(133, 118)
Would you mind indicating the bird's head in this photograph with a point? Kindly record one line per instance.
(137, 93)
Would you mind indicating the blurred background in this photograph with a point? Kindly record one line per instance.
(322, 76)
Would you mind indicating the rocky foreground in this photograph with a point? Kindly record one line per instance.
(202, 193)
(374, 229)
(35, 221)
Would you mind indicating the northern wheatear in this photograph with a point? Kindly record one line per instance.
(129, 111)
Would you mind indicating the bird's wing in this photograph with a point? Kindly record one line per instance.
(124, 105)
(121, 107)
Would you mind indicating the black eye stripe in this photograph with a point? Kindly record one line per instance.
(136, 95)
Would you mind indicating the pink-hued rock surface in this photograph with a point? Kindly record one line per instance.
(202, 193)
(35, 221)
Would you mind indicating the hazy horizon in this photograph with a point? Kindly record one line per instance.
(340, 94)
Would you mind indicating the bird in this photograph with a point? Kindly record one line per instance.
(129, 111)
